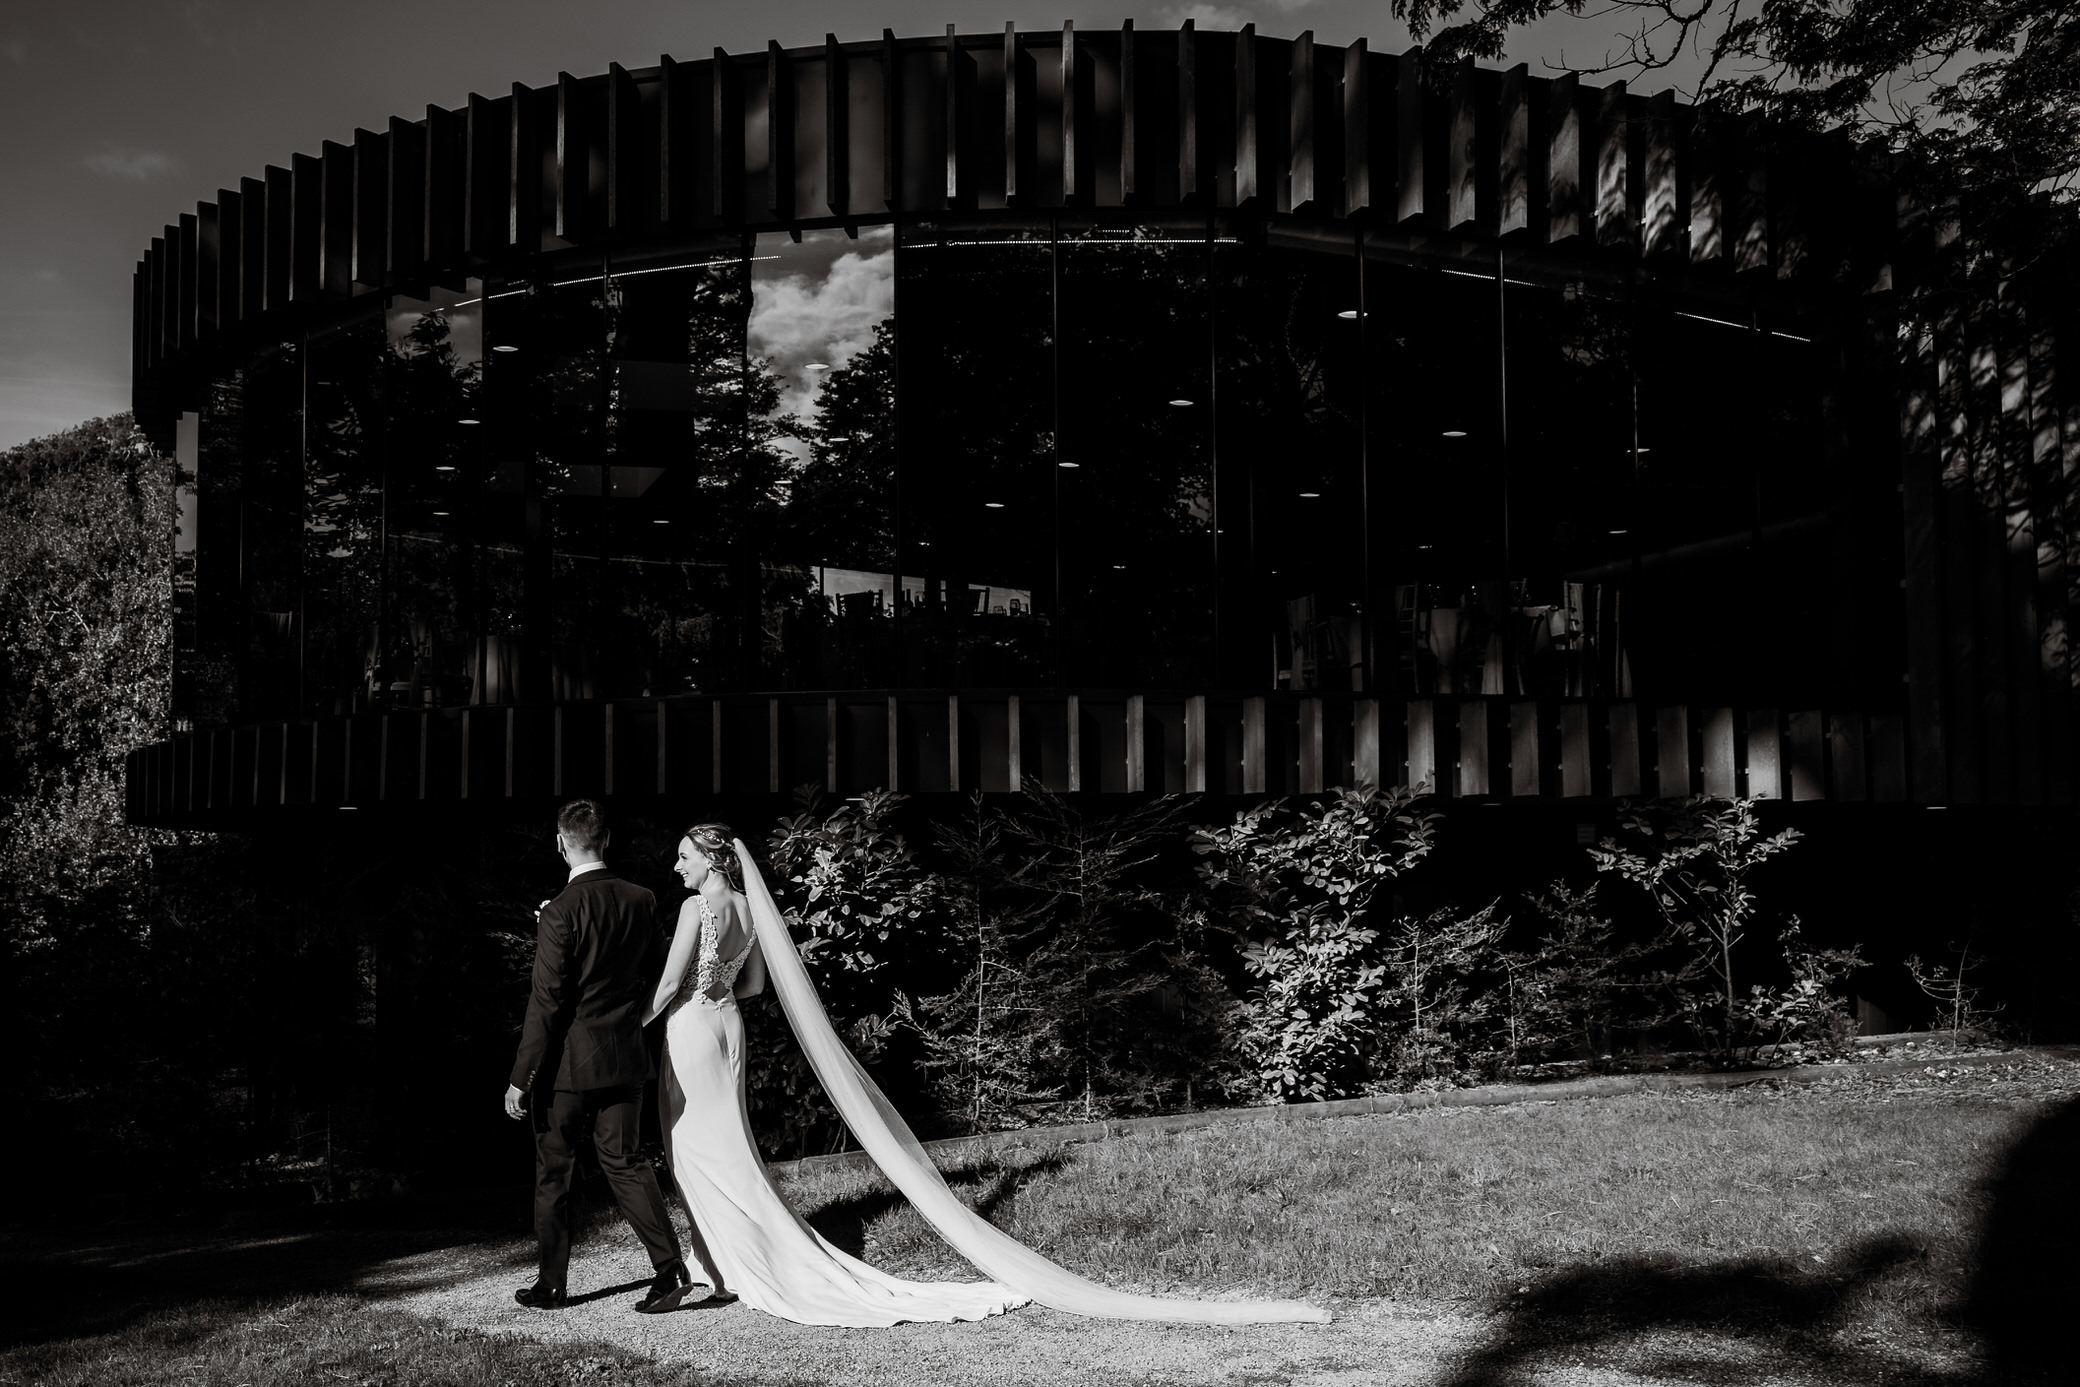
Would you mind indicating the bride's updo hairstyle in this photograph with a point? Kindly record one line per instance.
(716, 843)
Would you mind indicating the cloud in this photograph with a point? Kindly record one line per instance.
(139, 165)
(1230, 16)
(797, 320)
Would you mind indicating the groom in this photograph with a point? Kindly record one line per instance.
(582, 1061)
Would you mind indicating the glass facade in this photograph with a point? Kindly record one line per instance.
(975, 453)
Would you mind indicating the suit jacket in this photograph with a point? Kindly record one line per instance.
(598, 954)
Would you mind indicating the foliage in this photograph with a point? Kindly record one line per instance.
(1431, 1001)
(1695, 868)
(1981, 103)
(859, 903)
(86, 601)
(1571, 994)
(1812, 1010)
(989, 1045)
(1295, 884)
(1949, 986)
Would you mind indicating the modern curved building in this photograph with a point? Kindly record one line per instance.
(1137, 410)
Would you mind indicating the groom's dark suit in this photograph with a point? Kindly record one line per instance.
(598, 955)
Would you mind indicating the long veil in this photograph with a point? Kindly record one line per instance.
(889, 1140)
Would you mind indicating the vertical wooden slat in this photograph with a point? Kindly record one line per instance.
(953, 742)
(1708, 240)
(1920, 481)
(1565, 186)
(1311, 746)
(676, 160)
(1846, 760)
(252, 248)
(726, 137)
(1071, 164)
(444, 185)
(1137, 743)
(1672, 771)
(1462, 171)
(1523, 749)
(1804, 755)
(2013, 447)
(425, 736)
(1247, 141)
(512, 750)
(1576, 779)
(1422, 746)
(1014, 744)
(185, 258)
(1751, 208)
(715, 743)
(1989, 555)
(664, 749)
(2054, 466)
(891, 146)
(1195, 744)
(1010, 154)
(1075, 712)
(208, 250)
(1188, 111)
(953, 114)
(1513, 161)
(1721, 770)
(779, 131)
(1473, 778)
(522, 190)
(773, 747)
(404, 202)
(573, 160)
(1661, 225)
(837, 145)
(1253, 751)
(1409, 181)
(1300, 131)
(1365, 752)
(830, 745)
(1625, 769)
(370, 225)
(462, 778)
(894, 744)
(306, 220)
(1614, 229)
(556, 751)
(1357, 130)
(607, 741)
(383, 721)
(1129, 114)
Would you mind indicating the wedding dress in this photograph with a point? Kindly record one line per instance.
(767, 1253)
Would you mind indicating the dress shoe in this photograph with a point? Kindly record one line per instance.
(542, 1297)
(667, 1291)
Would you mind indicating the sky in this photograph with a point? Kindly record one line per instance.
(122, 114)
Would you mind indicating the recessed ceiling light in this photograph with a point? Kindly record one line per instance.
(1349, 315)
(1619, 532)
(1310, 495)
(817, 366)
(440, 512)
(1182, 404)
(444, 467)
(1119, 566)
(465, 421)
(660, 522)
(1642, 450)
(1455, 433)
(994, 505)
(505, 347)
(1072, 466)
(1426, 546)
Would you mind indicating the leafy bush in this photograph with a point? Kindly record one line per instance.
(1295, 884)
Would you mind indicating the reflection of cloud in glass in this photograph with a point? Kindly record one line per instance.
(797, 321)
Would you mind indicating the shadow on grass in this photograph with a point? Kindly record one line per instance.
(1788, 1319)
(843, 1223)
(100, 1280)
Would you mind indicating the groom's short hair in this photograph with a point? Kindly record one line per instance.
(584, 824)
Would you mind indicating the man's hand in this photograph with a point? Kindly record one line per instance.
(516, 1103)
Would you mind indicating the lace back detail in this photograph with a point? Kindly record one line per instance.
(710, 968)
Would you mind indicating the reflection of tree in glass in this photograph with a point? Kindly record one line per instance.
(840, 508)
(343, 516)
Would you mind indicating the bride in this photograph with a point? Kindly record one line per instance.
(731, 941)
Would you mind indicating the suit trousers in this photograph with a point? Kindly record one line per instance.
(614, 1115)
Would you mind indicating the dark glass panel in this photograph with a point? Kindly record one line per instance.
(979, 516)
(271, 405)
(345, 668)
(675, 434)
(1135, 476)
(448, 593)
(1435, 450)
(1290, 411)
(1574, 520)
(822, 326)
(548, 404)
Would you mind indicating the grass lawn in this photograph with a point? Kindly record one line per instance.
(1863, 1230)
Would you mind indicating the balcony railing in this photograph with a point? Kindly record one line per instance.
(1107, 741)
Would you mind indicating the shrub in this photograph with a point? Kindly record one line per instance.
(1295, 884)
